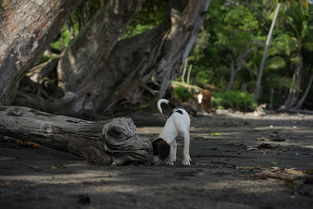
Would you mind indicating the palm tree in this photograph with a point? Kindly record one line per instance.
(267, 44)
(298, 20)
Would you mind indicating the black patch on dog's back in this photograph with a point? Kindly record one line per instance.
(179, 111)
(161, 148)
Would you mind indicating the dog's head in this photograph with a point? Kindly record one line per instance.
(161, 150)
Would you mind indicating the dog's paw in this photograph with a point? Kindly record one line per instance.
(186, 161)
(114, 164)
(171, 163)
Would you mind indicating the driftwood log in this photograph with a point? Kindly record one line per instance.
(111, 142)
(286, 174)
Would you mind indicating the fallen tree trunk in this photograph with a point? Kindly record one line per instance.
(112, 142)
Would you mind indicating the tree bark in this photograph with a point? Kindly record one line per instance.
(186, 18)
(99, 70)
(84, 71)
(103, 142)
(26, 29)
(304, 96)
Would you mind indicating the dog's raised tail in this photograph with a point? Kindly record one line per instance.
(160, 101)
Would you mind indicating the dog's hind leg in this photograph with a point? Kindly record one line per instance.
(186, 157)
(182, 123)
(172, 158)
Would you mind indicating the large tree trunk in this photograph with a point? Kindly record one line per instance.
(26, 29)
(83, 70)
(186, 18)
(103, 142)
(98, 70)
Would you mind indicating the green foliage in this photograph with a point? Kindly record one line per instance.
(65, 38)
(278, 81)
(45, 58)
(135, 30)
(276, 63)
(151, 15)
(241, 18)
(283, 44)
(309, 46)
(229, 35)
(295, 60)
(203, 77)
(182, 93)
(236, 100)
(238, 29)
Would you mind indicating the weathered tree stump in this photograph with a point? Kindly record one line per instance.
(111, 142)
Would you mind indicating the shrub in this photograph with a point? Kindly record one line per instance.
(236, 100)
(182, 93)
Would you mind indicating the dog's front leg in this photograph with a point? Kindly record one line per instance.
(172, 157)
(186, 156)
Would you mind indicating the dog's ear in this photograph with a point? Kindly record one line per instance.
(161, 148)
(155, 146)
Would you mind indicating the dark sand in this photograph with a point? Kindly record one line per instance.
(225, 156)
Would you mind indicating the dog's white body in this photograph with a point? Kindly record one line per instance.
(177, 123)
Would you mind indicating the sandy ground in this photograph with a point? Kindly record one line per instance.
(227, 150)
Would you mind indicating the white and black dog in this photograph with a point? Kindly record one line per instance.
(165, 147)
